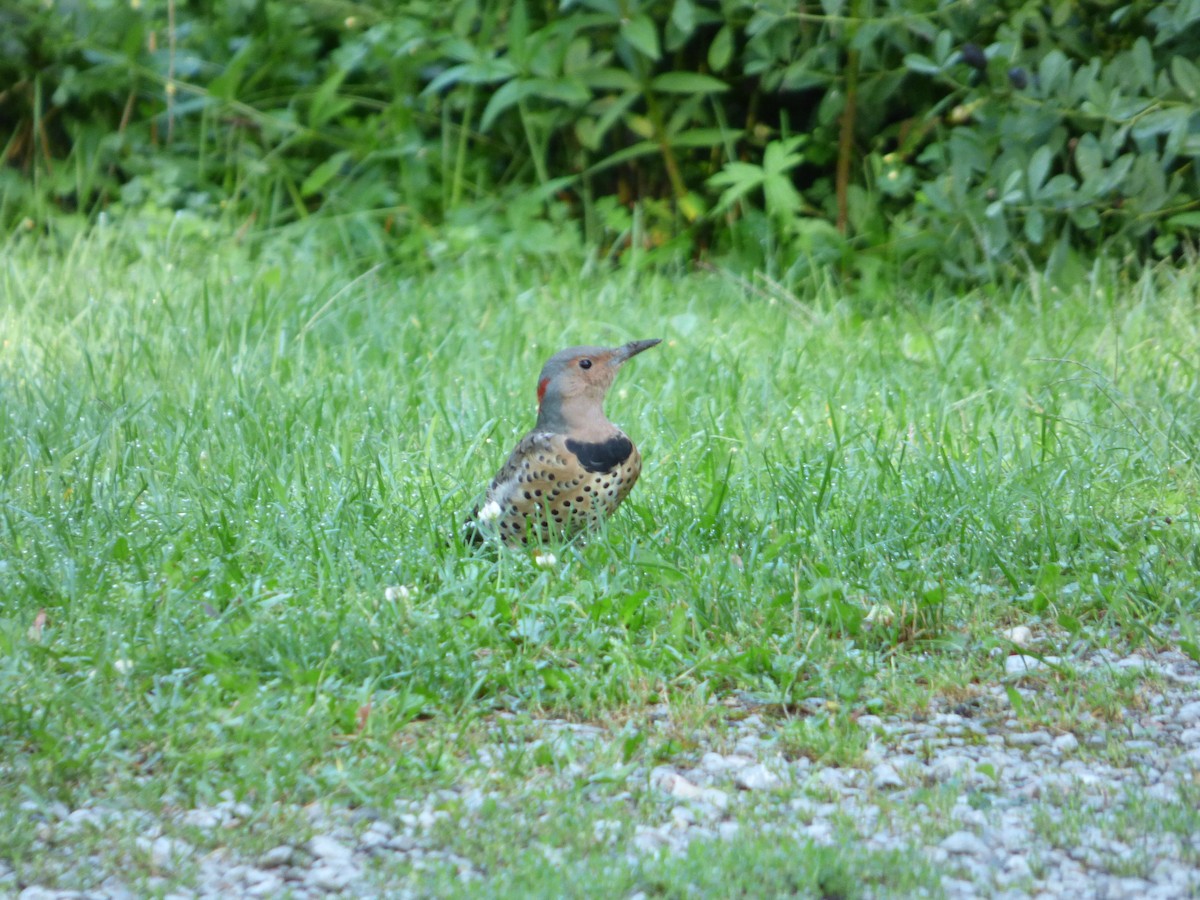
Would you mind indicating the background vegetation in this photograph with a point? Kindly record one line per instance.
(968, 139)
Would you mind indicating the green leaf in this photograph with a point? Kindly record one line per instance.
(225, 85)
(1085, 218)
(1185, 220)
(615, 109)
(915, 62)
(507, 95)
(1161, 121)
(738, 173)
(642, 35)
(699, 137)
(783, 200)
(518, 32)
(1089, 159)
(609, 79)
(485, 72)
(1053, 69)
(943, 47)
(738, 179)
(642, 148)
(326, 105)
(780, 156)
(563, 90)
(683, 16)
(687, 83)
(720, 51)
(1142, 57)
(800, 76)
(1059, 187)
(1035, 226)
(320, 176)
(1039, 167)
(1185, 75)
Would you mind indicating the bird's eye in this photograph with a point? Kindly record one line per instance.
(585, 364)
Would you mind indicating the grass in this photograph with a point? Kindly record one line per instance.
(234, 474)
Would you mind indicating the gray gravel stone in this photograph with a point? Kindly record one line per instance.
(884, 777)
(715, 763)
(1189, 713)
(331, 877)
(204, 819)
(1029, 739)
(402, 843)
(277, 856)
(329, 850)
(964, 843)
(1019, 664)
(671, 782)
(1066, 743)
(269, 886)
(757, 778)
(164, 852)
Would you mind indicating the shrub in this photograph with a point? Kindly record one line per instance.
(968, 137)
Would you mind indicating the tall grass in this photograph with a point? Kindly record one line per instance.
(232, 479)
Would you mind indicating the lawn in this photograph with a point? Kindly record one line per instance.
(233, 477)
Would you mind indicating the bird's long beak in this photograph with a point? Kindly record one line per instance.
(633, 348)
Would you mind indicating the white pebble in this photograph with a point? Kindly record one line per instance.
(757, 778)
(676, 785)
(331, 851)
(1022, 665)
(1021, 635)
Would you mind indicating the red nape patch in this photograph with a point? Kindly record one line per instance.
(542, 385)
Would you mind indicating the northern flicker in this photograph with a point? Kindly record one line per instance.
(575, 467)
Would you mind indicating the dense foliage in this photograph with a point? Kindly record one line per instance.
(967, 136)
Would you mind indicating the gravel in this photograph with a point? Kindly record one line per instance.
(1032, 811)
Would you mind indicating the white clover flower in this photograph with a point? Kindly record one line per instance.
(545, 560)
(490, 512)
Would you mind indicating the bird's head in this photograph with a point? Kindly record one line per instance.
(574, 381)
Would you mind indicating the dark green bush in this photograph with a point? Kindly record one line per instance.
(968, 137)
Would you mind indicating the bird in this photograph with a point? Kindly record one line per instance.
(575, 467)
